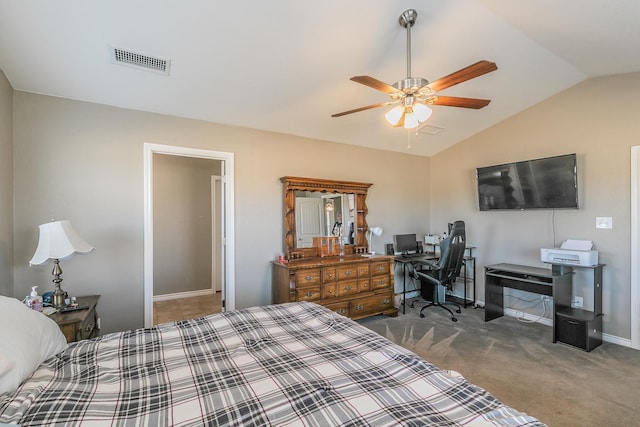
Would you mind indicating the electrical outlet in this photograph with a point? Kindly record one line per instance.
(577, 302)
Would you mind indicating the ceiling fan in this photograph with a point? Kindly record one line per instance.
(412, 95)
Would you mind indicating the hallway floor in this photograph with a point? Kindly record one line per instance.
(186, 308)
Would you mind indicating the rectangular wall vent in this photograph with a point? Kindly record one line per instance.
(140, 60)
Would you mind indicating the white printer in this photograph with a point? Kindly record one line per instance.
(571, 252)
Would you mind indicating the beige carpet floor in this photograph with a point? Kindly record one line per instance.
(518, 363)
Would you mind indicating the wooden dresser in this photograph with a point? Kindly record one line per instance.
(351, 285)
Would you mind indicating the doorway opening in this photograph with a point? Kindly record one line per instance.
(219, 221)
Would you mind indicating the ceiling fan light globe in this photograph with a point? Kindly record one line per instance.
(393, 116)
(421, 111)
(411, 121)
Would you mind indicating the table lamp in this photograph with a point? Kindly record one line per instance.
(378, 232)
(58, 240)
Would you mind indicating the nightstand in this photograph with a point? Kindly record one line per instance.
(79, 324)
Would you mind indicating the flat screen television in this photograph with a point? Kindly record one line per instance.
(548, 183)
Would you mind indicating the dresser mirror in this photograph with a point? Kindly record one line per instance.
(314, 207)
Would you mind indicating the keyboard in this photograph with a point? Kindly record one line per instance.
(416, 255)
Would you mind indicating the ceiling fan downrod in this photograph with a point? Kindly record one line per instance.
(407, 19)
(410, 84)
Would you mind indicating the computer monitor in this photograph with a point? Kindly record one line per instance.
(405, 243)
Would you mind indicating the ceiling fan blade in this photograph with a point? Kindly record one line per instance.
(401, 121)
(467, 73)
(368, 107)
(374, 83)
(454, 101)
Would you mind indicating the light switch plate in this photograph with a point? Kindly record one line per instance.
(604, 222)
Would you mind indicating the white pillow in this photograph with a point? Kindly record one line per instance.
(27, 338)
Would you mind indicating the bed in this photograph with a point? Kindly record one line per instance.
(296, 364)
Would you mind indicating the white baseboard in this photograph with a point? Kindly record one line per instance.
(549, 322)
(178, 295)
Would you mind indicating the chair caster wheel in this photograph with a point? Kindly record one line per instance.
(453, 319)
(422, 315)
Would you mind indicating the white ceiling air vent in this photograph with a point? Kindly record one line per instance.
(430, 130)
(140, 60)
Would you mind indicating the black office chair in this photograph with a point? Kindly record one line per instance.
(444, 272)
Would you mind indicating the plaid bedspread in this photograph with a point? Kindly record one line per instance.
(295, 364)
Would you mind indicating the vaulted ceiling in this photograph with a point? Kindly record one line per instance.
(284, 65)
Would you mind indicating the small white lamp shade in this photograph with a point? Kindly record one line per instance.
(58, 240)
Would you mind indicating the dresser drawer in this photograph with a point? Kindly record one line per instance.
(329, 290)
(364, 285)
(329, 274)
(347, 272)
(380, 267)
(308, 277)
(308, 293)
(379, 282)
(341, 308)
(347, 287)
(373, 304)
(363, 270)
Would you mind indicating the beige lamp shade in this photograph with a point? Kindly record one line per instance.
(58, 240)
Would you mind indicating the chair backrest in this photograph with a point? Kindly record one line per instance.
(452, 254)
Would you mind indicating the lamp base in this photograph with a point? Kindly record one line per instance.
(58, 299)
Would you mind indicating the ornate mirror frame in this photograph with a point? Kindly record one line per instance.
(291, 184)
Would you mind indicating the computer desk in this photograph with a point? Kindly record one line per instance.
(430, 256)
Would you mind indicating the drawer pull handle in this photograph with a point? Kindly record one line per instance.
(386, 301)
(330, 291)
(359, 307)
(341, 311)
(347, 288)
(308, 294)
(347, 273)
(308, 278)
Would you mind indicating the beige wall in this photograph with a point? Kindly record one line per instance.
(84, 162)
(182, 223)
(6, 186)
(598, 120)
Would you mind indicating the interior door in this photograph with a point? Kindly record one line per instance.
(309, 220)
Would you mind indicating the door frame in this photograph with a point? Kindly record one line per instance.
(149, 149)
(635, 247)
(217, 194)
